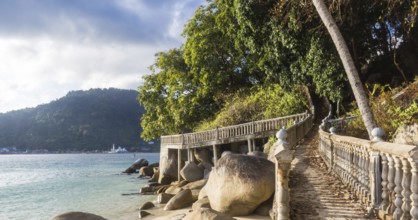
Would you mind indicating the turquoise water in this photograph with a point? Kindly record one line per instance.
(37, 187)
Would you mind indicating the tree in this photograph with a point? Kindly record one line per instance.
(349, 66)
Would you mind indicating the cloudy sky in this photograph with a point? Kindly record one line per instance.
(50, 47)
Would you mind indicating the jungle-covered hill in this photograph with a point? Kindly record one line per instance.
(80, 121)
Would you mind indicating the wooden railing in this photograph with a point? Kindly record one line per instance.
(230, 132)
(383, 175)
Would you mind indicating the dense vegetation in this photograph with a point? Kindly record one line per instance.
(80, 121)
(392, 108)
(234, 45)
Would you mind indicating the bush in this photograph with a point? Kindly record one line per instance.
(257, 103)
(391, 109)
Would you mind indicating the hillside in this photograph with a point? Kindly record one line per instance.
(80, 121)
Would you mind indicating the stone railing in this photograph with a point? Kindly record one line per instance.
(383, 175)
(209, 137)
(284, 153)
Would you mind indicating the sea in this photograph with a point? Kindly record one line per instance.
(40, 186)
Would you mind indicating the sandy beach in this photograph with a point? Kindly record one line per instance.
(157, 213)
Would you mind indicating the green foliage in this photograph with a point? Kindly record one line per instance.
(234, 45)
(81, 121)
(389, 113)
(270, 143)
(257, 103)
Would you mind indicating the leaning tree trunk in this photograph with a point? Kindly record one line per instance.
(350, 68)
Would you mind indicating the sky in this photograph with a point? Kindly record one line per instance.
(51, 47)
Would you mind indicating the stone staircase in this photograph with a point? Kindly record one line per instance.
(314, 193)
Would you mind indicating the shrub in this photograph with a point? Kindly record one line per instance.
(391, 109)
(257, 103)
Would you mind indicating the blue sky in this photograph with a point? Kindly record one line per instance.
(50, 47)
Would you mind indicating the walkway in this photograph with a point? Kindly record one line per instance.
(314, 193)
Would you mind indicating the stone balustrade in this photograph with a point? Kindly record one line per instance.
(383, 175)
(262, 128)
(284, 153)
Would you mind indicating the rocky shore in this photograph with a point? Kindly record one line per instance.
(239, 187)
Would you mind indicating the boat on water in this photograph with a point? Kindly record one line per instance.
(118, 150)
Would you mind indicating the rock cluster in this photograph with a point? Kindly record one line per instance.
(239, 185)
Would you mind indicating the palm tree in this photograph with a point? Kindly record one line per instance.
(348, 63)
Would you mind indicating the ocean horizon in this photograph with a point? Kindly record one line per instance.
(40, 186)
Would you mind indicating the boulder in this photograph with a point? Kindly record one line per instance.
(173, 189)
(136, 166)
(169, 170)
(191, 172)
(240, 183)
(206, 174)
(163, 198)
(77, 216)
(180, 200)
(146, 206)
(265, 207)
(203, 193)
(146, 171)
(226, 153)
(201, 203)
(407, 134)
(196, 184)
(164, 179)
(162, 189)
(207, 214)
(154, 165)
(257, 154)
(143, 214)
(195, 194)
(205, 166)
(203, 155)
(182, 183)
(155, 176)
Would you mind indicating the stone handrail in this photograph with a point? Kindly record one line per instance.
(230, 132)
(383, 175)
(284, 153)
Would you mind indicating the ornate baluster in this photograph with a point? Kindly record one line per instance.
(351, 160)
(391, 184)
(361, 174)
(385, 195)
(406, 192)
(398, 189)
(414, 188)
(366, 175)
(355, 170)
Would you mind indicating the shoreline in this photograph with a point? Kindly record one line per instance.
(158, 213)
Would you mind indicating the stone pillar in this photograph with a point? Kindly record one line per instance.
(179, 164)
(249, 145)
(215, 155)
(284, 157)
(253, 143)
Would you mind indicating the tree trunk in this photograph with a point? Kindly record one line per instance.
(350, 68)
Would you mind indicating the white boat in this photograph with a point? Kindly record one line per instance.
(118, 150)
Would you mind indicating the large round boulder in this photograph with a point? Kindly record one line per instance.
(240, 183)
(77, 216)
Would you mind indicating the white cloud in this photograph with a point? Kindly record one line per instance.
(48, 48)
(35, 71)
